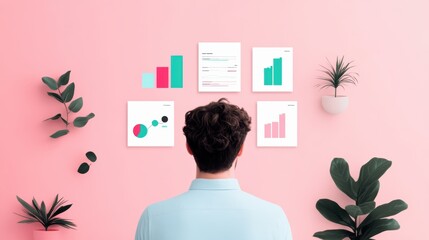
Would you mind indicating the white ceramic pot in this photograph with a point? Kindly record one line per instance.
(335, 105)
(51, 234)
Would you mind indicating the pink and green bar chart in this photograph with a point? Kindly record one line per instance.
(166, 77)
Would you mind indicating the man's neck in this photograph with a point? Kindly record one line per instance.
(226, 174)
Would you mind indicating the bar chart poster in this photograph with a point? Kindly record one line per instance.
(272, 69)
(150, 124)
(277, 124)
(165, 77)
(219, 67)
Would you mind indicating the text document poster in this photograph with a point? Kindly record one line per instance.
(219, 67)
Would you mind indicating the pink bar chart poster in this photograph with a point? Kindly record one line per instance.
(277, 124)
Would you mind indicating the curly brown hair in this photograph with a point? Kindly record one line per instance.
(215, 133)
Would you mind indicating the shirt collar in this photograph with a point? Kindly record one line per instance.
(215, 184)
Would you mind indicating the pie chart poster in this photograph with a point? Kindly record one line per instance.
(150, 124)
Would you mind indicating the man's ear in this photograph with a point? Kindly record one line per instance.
(241, 151)
(189, 149)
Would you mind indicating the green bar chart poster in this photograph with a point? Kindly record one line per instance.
(272, 69)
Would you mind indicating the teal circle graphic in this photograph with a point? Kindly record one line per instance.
(154, 123)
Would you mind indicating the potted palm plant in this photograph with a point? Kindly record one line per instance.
(363, 219)
(47, 217)
(335, 77)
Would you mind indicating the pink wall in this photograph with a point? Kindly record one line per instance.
(108, 44)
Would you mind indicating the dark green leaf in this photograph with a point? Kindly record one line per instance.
(91, 156)
(334, 213)
(28, 221)
(354, 211)
(56, 96)
(51, 83)
(379, 226)
(28, 207)
(385, 210)
(68, 93)
(43, 208)
(372, 171)
(76, 105)
(54, 117)
(341, 175)
(35, 204)
(43, 212)
(61, 210)
(368, 194)
(367, 207)
(82, 121)
(63, 223)
(28, 216)
(83, 168)
(60, 133)
(54, 204)
(64, 79)
(337, 234)
(32, 216)
(60, 203)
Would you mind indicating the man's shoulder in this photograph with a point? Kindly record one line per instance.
(261, 203)
(241, 200)
(167, 204)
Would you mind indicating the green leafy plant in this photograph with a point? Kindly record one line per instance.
(65, 97)
(84, 167)
(363, 192)
(338, 76)
(35, 213)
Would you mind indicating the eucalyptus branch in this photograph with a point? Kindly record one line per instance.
(65, 97)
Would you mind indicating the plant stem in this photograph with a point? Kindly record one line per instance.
(67, 113)
(335, 92)
(356, 225)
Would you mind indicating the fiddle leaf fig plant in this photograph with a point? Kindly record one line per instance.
(65, 97)
(338, 76)
(47, 217)
(363, 219)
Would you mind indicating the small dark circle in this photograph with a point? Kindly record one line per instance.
(164, 119)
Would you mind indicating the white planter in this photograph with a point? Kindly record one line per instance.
(335, 105)
(51, 234)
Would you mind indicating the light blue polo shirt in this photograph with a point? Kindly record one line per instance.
(214, 209)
